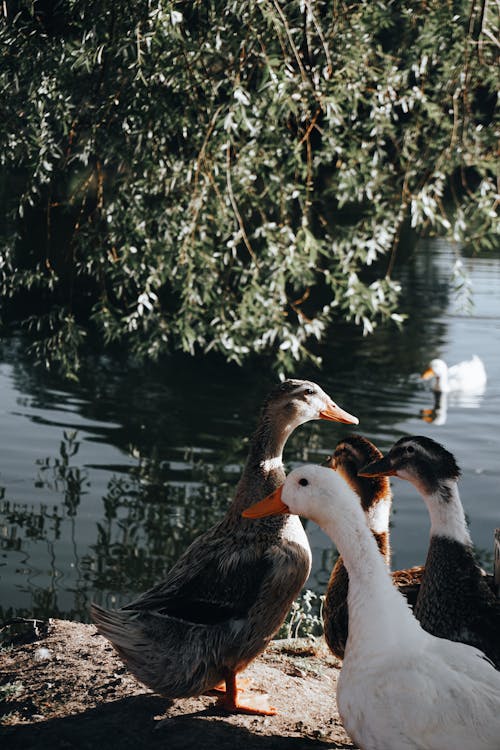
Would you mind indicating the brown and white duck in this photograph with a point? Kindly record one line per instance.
(229, 592)
(375, 496)
(454, 599)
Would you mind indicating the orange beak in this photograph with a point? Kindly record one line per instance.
(429, 373)
(272, 505)
(335, 414)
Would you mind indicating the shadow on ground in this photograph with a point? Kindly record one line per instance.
(129, 723)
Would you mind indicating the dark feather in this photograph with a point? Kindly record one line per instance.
(455, 600)
(211, 597)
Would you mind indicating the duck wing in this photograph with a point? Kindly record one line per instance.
(211, 583)
(210, 597)
(455, 600)
(468, 375)
(335, 610)
(408, 582)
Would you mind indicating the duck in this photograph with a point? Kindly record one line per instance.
(375, 495)
(229, 592)
(351, 454)
(455, 599)
(468, 376)
(400, 687)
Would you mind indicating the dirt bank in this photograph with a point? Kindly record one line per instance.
(64, 688)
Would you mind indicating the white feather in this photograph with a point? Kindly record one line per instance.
(269, 464)
(378, 516)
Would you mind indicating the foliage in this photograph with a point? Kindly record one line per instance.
(9, 693)
(10, 690)
(305, 617)
(234, 176)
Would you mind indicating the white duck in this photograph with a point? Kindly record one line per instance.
(400, 688)
(468, 376)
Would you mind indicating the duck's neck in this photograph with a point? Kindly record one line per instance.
(376, 500)
(378, 520)
(442, 384)
(377, 612)
(263, 471)
(447, 513)
(266, 445)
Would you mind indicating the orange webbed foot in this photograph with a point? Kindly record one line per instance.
(257, 705)
(243, 682)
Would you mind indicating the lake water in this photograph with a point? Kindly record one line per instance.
(104, 483)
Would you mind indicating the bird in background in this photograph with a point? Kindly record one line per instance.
(468, 376)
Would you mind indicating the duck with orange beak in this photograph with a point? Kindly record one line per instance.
(230, 591)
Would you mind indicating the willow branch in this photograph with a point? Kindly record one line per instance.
(235, 207)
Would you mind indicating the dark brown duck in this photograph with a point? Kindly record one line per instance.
(230, 591)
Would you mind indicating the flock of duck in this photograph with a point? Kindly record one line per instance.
(420, 647)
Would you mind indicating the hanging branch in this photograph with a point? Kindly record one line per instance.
(235, 207)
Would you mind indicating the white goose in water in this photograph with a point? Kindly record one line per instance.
(468, 376)
(230, 591)
(400, 688)
(454, 600)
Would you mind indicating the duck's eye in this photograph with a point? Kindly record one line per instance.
(410, 449)
(309, 392)
(303, 482)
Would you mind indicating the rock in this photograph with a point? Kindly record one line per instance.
(42, 654)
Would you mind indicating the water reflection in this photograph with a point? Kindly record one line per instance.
(145, 523)
(438, 414)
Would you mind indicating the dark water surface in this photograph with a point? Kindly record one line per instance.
(103, 484)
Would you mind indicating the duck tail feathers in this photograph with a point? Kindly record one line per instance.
(116, 625)
(155, 657)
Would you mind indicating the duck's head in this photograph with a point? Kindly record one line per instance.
(294, 402)
(437, 369)
(350, 455)
(422, 461)
(314, 492)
